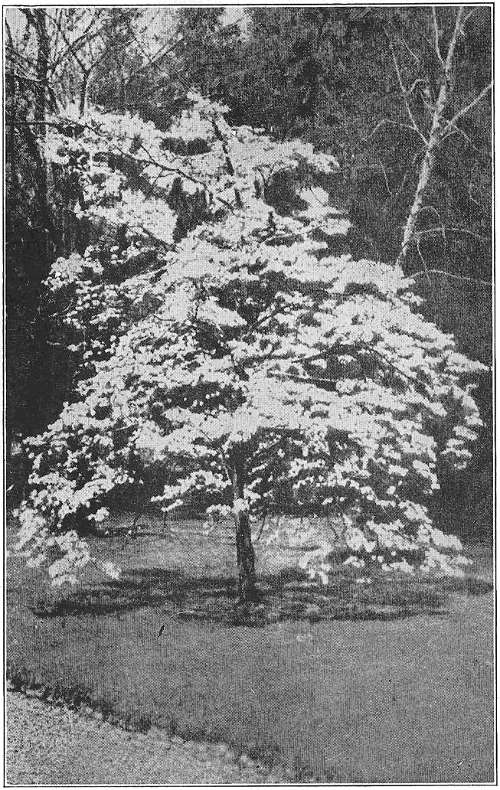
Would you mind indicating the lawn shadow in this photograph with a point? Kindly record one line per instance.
(285, 595)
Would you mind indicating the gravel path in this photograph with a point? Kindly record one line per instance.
(47, 744)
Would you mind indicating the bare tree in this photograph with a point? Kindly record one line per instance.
(441, 126)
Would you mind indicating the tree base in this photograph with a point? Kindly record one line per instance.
(250, 597)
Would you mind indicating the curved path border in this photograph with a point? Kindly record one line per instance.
(49, 744)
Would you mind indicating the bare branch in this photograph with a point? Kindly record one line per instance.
(74, 47)
(433, 210)
(424, 264)
(453, 43)
(163, 52)
(414, 85)
(458, 130)
(467, 109)
(393, 123)
(465, 231)
(468, 16)
(404, 93)
(486, 283)
(436, 35)
(389, 191)
(55, 124)
(410, 51)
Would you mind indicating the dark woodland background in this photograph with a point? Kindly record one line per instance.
(326, 75)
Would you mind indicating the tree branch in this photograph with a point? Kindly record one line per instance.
(436, 35)
(466, 109)
(486, 283)
(441, 228)
(389, 191)
(394, 123)
(458, 130)
(404, 93)
(168, 169)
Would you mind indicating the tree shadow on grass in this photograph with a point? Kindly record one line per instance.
(287, 595)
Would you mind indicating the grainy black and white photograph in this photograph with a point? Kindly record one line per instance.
(248, 401)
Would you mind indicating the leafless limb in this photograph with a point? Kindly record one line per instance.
(393, 123)
(436, 35)
(408, 49)
(404, 93)
(424, 264)
(435, 134)
(452, 276)
(414, 85)
(433, 210)
(159, 56)
(386, 180)
(465, 231)
(467, 109)
(16, 122)
(73, 47)
(468, 16)
(458, 130)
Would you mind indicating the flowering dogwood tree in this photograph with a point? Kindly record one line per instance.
(233, 359)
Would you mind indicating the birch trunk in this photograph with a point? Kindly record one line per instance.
(434, 139)
(426, 171)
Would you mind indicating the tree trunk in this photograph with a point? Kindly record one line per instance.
(425, 174)
(42, 65)
(83, 93)
(11, 153)
(245, 555)
(435, 137)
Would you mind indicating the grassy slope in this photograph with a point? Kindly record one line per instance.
(401, 700)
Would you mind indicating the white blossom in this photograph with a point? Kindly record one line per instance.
(245, 336)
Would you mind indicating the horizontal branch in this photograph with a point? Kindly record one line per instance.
(394, 123)
(441, 228)
(486, 283)
(15, 122)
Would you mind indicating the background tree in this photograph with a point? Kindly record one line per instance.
(207, 47)
(49, 52)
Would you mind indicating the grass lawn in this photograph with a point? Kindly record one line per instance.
(388, 682)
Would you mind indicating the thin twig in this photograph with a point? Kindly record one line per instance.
(468, 16)
(455, 230)
(466, 109)
(389, 191)
(393, 123)
(458, 130)
(404, 93)
(486, 283)
(424, 264)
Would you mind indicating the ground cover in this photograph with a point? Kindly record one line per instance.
(342, 684)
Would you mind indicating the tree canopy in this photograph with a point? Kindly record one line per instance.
(226, 358)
